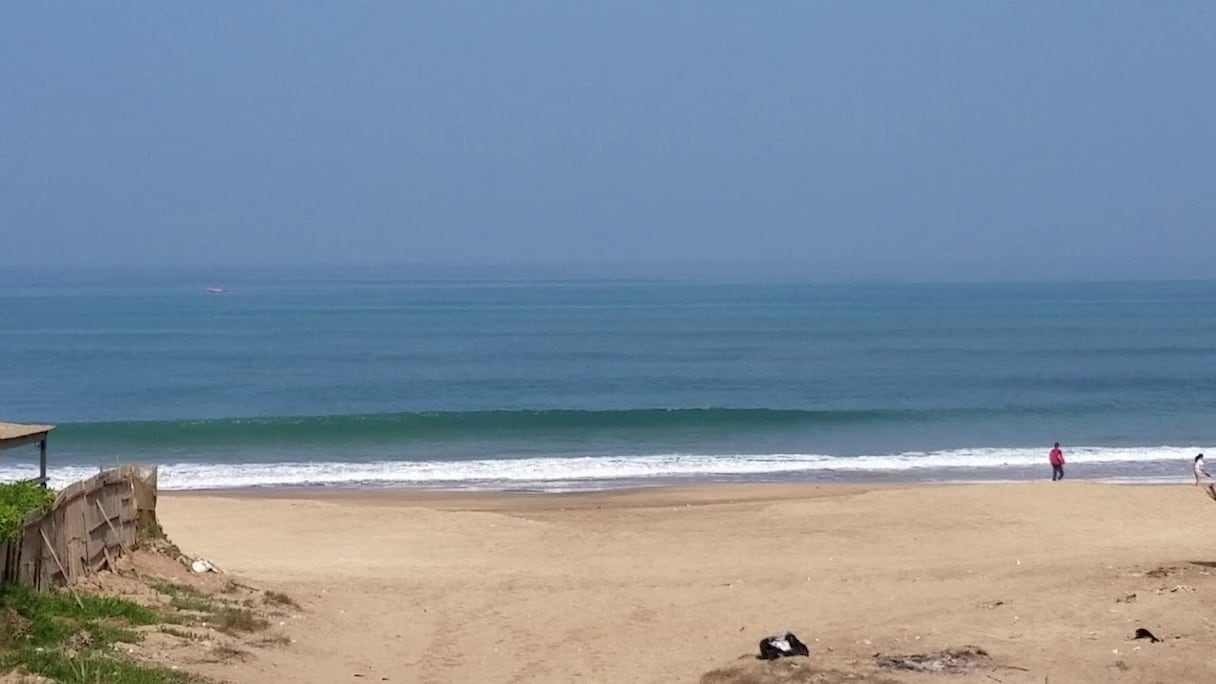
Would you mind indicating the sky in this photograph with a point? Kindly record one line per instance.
(913, 139)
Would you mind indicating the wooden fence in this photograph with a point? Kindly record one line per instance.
(91, 523)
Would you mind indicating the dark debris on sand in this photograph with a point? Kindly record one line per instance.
(949, 661)
(788, 671)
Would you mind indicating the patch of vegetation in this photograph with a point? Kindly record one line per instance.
(182, 633)
(183, 597)
(175, 589)
(149, 532)
(192, 604)
(90, 607)
(225, 617)
(278, 598)
(231, 620)
(110, 633)
(274, 640)
(14, 628)
(53, 618)
(150, 528)
(72, 642)
(17, 499)
(97, 667)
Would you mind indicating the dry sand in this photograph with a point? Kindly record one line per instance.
(667, 585)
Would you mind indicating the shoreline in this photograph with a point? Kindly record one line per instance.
(703, 493)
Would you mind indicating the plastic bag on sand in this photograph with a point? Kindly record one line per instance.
(774, 647)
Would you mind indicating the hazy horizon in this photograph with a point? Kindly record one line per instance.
(818, 141)
(232, 276)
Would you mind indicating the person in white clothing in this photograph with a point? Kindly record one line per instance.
(1201, 473)
(1203, 478)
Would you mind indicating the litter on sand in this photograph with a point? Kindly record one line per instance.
(203, 565)
(774, 647)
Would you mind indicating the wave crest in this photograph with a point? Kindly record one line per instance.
(564, 473)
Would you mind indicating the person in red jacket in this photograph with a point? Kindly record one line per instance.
(1057, 463)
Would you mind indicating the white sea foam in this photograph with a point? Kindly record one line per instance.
(554, 473)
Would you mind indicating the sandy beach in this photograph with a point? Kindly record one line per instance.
(669, 585)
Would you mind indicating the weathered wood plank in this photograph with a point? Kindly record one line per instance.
(89, 522)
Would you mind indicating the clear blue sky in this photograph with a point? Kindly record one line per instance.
(858, 138)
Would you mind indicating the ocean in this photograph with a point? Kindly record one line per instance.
(387, 377)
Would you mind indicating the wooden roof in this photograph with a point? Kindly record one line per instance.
(16, 434)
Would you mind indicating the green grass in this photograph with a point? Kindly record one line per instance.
(110, 633)
(52, 618)
(183, 597)
(52, 635)
(175, 589)
(17, 499)
(219, 614)
(193, 604)
(98, 668)
(89, 608)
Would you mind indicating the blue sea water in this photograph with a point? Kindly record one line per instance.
(388, 376)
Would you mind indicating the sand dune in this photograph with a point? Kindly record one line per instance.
(667, 585)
